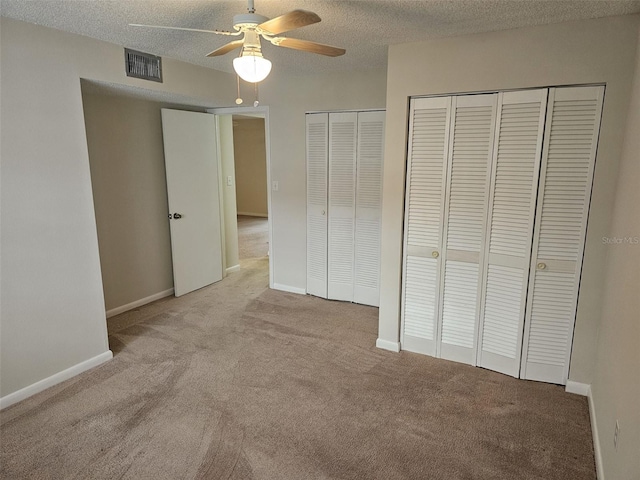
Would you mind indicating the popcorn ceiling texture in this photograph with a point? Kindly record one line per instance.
(364, 28)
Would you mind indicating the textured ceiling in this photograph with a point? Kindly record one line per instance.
(364, 27)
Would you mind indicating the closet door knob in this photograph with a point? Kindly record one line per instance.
(323, 212)
(435, 254)
(542, 266)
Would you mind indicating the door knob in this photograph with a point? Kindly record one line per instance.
(435, 254)
(177, 216)
(323, 212)
(542, 266)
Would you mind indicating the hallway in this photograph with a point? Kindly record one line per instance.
(253, 237)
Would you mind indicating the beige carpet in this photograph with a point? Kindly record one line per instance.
(236, 381)
(253, 237)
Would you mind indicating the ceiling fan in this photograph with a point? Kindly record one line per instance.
(251, 66)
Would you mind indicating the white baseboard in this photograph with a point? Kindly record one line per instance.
(287, 288)
(387, 345)
(578, 388)
(597, 451)
(138, 303)
(584, 389)
(59, 377)
(235, 268)
(252, 214)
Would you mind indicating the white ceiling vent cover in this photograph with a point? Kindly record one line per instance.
(143, 65)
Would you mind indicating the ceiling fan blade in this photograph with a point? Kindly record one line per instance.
(217, 32)
(307, 46)
(226, 48)
(289, 21)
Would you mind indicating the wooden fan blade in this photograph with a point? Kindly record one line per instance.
(226, 48)
(289, 21)
(217, 32)
(312, 47)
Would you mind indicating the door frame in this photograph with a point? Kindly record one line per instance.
(259, 112)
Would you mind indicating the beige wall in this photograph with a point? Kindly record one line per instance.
(591, 51)
(289, 98)
(124, 139)
(227, 155)
(251, 166)
(616, 382)
(52, 309)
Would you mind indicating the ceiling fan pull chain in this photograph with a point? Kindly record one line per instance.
(255, 91)
(238, 99)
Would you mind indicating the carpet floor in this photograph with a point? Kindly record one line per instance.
(237, 381)
(253, 237)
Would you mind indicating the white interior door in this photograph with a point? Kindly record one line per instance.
(370, 154)
(568, 159)
(512, 203)
(472, 137)
(342, 201)
(426, 182)
(317, 172)
(191, 163)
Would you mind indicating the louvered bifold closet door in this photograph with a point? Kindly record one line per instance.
(342, 200)
(317, 183)
(472, 135)
(568, 158)
(370, 154)
(424, 205)
(512, 201)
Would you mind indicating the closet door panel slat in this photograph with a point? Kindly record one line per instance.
(342, 201)
(509, 228)
(317, 184)
(573, 122)
(471, 137)
(370, 154)
(426, 179)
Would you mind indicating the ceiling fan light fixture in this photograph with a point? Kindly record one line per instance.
(252, 67)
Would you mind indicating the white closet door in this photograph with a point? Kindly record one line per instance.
(317, 171)
(514, 181)
(370, 153)
(472, 136)
(424, 205)
(342, 199)
(568, 158)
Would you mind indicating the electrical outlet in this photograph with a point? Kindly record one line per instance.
(615, 435)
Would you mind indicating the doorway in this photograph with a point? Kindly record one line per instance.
(125, 143)
(244, 145)
(251, 186)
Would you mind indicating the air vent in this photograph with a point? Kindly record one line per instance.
(143, 65)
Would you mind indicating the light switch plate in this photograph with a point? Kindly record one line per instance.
(229, 181)
(274, 185)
